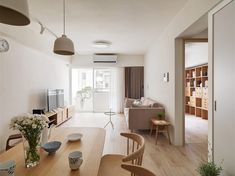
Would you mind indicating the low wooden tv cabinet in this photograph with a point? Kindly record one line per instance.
(61, 115)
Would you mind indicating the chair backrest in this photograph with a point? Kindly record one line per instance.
(137, 170)
(11, 138)
(135, 148)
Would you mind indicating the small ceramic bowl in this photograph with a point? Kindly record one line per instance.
(74, 137)
(51, 147)
(7, 168)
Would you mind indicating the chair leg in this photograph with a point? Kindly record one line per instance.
(167, 129)
(151, 130)
(157, 131)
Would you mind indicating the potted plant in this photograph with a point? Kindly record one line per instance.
(161, 115)
(209, 169)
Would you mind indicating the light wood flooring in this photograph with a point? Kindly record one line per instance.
(163, 159)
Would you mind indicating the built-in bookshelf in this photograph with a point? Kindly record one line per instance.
(196, 91)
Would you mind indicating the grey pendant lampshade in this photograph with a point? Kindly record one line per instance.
(63, 45)
(14, 12)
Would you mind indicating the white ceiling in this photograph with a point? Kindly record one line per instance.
(131, 25)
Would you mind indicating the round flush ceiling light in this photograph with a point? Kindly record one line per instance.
(101, 44)
(14, 12)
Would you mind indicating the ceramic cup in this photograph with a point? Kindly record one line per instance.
(75, 160)
(7, 168)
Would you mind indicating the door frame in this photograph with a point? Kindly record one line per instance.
(180, 88)
(179, 80)
(193, 40)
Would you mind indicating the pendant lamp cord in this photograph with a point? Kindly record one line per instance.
(64, 15)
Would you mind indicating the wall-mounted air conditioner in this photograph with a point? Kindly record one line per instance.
(105, 58)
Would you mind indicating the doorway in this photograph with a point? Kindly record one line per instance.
(196, 91)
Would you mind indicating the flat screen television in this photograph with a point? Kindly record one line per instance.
(55, 99)
(60, 98)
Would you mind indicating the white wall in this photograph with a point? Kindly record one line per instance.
(204, 33)
(160, 58)
(196, 53)
(25, 75)
(123, 61)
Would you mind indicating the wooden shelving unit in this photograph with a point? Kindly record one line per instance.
(196, 91)
(60, 115)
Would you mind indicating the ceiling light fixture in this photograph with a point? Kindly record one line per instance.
(101, 44)
(14, 12)
(64, 45)
(42, 28)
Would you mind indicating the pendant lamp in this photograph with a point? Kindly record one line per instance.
(63, 45)
(14, 12)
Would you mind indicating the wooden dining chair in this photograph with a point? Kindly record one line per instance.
(111, 164)
(137, 170)
(14, 137)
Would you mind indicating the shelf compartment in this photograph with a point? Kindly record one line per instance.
(198, 102)
(198, 112)
(196, 91)
(191, 110)
(204, 114)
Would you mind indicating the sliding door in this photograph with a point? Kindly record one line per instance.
(98, 89)
(82, 89)
(224, 88)
(102, 88)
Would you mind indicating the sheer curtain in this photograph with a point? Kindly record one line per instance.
(117, 89)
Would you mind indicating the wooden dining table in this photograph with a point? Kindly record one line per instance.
(91, 145)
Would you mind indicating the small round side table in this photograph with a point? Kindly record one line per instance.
(110, 114)
(161, 127)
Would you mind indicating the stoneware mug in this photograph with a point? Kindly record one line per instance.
(7, 168)
(75, 160)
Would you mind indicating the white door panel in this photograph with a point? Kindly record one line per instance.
(224, 88)
(101, 101)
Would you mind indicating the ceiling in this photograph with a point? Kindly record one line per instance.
(131, 25)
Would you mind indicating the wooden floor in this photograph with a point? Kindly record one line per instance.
(163, 159)
(196, 130)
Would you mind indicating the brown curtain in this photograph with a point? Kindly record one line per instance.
(134, 82)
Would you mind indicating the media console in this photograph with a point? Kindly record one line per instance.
(60, 115)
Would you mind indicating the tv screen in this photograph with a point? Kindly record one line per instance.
(60, 98)
(51, 100)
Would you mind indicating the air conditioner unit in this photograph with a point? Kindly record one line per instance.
(105, 58)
